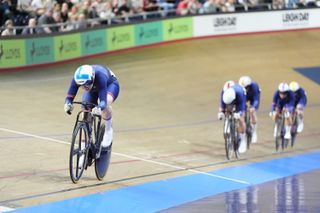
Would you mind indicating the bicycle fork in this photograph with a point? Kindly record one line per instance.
(226, 127)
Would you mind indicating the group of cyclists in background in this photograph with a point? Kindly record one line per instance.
(244, 97)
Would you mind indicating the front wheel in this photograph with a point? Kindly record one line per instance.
(279, 139)
(78, 152)
(228, 146)
(227, 138)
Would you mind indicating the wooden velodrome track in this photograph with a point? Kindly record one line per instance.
(164, 118)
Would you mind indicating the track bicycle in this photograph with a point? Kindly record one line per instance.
(280, 125)
(230, 133)
(86, 146)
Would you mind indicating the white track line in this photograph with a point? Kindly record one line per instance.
(34, 136)
(129, 156)
(5, 209)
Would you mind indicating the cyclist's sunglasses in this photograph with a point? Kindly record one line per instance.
(87, 86)
(231, 105)
(283, 93)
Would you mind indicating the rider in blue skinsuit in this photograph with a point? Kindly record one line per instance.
(235, 96)
(99, 83)
(283, 99)
(300, 103)
(253, 97)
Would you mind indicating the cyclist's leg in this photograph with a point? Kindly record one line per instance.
(112, 94)
(275, 117)
(242, 134)
(254, 119)
(299, 110)
(288, 122)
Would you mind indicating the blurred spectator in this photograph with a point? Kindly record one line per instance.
(92, 11)
(73, 11)
(221, 5)
(123, 9)
(56, 7)
(64, 12)
(209, 6)
(46, 19)
(40, 6)
(165, 5)
(182, 7)
(84, 7)
(69, 3)
(189, 7)
(32, 27)
(57, 20)
(278, 4)
(306, 3)
(71, 23)
(149, 5)
(106, 11)
(229, 6)
(9, 31)
(137, 6)
(5, 11)
(250, 4)
(82, 22)
(194, 7)
(24, 6)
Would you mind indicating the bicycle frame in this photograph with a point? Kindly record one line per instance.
(280, 123)
(90, 121)
(230, 133)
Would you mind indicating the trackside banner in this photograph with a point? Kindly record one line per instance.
(12, 53)
(233, 23)
(93, 42)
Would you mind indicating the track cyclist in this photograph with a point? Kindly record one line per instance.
(300, 102)
(253, 97)
(233, 96)
(283, 100)
(98, 82)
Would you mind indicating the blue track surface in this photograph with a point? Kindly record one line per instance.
(313, 73)
(159, 195)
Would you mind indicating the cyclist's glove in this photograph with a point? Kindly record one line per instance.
(273, 113)
(220, 115)
(96, 111)
(68, 107)
(237, 115)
